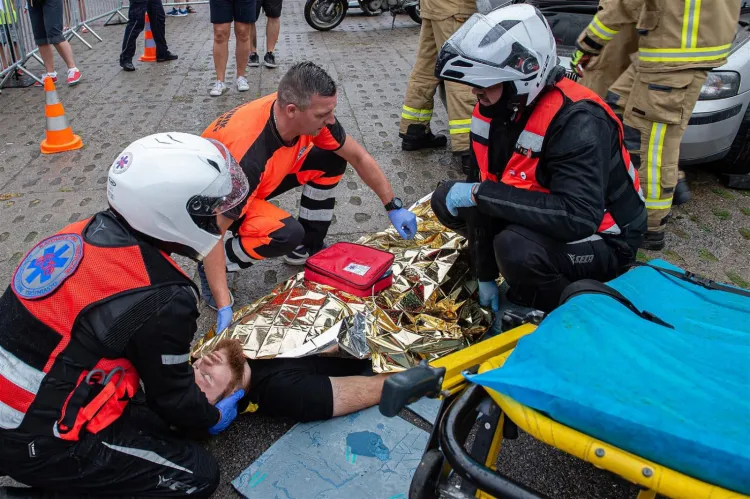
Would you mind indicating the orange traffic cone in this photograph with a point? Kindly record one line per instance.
(60, 136)
(149, 50)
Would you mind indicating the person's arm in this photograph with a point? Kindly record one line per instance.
(611, 17)
(216, 270)
(577, 155)
(159, 350)
(354, 393)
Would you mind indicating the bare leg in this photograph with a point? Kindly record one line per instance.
(273, 27)
(221, 50)
(63, 48)
(49, 59)
(253, 40)
(242, 33)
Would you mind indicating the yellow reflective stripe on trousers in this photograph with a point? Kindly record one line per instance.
(699, 54)
(690, 21)
(600, 30)
(655, 153)
(658, 204)
(410, 113)
(459, 126)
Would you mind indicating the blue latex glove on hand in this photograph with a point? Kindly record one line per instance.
(404, 221)
(459, 196)
(228, 412)
(489, 295)
(224, 318)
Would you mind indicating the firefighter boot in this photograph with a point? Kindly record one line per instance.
(681, 191)
(653, 241)
(419, 137)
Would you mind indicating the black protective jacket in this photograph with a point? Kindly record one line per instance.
(577, 166)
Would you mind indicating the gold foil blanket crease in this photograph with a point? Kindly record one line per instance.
(428, 312)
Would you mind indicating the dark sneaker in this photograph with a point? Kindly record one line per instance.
(253, 61)
(206, 290)
(300, 254)
(269, 60)
(653, 241)
(169, 56)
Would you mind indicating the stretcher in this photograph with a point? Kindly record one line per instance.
(491, 417)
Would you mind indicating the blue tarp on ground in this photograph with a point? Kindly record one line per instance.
(679, 397)
(363, 454)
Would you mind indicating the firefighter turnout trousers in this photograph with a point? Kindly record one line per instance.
(677, 43)
(420, 93)
(656, 108)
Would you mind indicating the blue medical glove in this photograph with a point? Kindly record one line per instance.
(489, 295)
(224, 318)
(404, 221)
(459, 196)
(228, 411)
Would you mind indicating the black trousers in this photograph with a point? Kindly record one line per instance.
(267, 231)
(536, 267)
(136, 23)
(136, 456)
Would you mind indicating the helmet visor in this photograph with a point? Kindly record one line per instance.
(490, 43)
(227, 191)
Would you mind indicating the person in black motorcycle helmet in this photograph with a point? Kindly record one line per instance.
(553, 196)
(99, 308)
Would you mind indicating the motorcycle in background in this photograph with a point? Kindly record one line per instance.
(324, 15)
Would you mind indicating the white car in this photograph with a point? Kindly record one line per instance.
(719, 129)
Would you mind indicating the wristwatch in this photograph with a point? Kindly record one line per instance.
(394, 204)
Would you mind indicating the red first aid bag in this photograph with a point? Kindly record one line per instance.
(356, 269)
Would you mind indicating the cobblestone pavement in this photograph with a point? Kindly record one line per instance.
(110, 108)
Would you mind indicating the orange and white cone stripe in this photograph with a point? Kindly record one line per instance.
(59, 135)
(149, 50)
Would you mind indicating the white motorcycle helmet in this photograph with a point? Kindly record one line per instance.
(512, 44)
(170, 187)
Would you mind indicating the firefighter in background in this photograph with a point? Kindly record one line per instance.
(604, 69)
(679, 41)
(99, 307)
(440, 19)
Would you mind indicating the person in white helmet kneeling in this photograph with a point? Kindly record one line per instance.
(553, 196)
(99, 308)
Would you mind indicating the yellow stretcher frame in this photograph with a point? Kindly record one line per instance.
(654, 478)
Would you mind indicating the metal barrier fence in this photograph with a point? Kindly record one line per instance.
(17, 44)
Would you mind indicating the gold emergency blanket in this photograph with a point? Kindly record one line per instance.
(428, 312)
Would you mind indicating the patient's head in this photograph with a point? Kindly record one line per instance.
(223, 371)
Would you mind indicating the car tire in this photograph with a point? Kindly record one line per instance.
(737, 161)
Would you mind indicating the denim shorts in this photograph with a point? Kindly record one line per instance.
(47, 21)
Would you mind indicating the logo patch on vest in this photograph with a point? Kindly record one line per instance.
(47, 265)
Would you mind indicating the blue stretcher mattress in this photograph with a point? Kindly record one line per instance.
(679, 397)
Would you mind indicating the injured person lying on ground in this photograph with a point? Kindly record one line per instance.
(309, 388)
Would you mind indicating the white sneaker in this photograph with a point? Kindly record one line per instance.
(242, 84)
(218, 89)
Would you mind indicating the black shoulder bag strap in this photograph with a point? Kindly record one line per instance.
(695, 279)
(592, 286)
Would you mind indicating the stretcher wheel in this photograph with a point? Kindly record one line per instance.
(424, 484)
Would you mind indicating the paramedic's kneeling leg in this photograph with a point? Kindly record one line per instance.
(305, 389)
(99, 309)
(559, 199)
